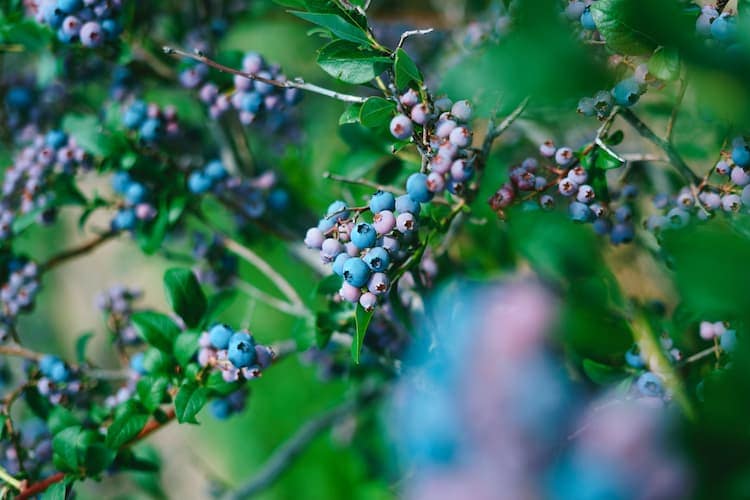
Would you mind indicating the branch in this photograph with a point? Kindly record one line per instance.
(676, 108)
(297, 83)
(39, 487)
(20, 352)
(72, 253)
(285, 454)
(671, 152)
(268, 299)
(496, 131)
(407, 34)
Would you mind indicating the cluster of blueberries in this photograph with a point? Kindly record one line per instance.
(17, 294)
(450, 160)
(136, 205)
(151, 122)
(253, 100)
(625, 93)
(570, 179)
(218, 265)
(36, 447)
(729, 194)
(92, 22)
(719, 27)
(27, 108)
(223, 408)
(117, 304)
(236, 354)
(26, 182)
(58, 381)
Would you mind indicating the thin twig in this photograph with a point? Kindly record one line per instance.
(676, 108)
(407, 34)
(72, 253)
(497, 130)
(672, 154)
(267, 299)
(285, 454)
(296, 83)
(20, 352)
(12, 481)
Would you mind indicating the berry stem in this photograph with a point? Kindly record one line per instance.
(676, 108)
(39, 487)
(72, 253)
(407, 34)
(671, 152)
(496, 130)
(10, 480)
(700, 355)
(285, 454)
(296, 83)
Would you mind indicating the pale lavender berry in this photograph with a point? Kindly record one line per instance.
(145, 211)
(546, 201)
(540, 183)
(71, 26)
(706, 330)
(740, 177)
(91, 34)
(401, 127)
(390, 243)
(314, 238)
(678, 218)
(351, 249)
(368, 301)
(448, 149)
(711, 200)
(443, 104)
(440, 163)
(444, 128)
(461, 170)
(435, 182)
(409, 98)
(685, 199)
(567, 187)
(547, 149)
(241, 83)
(723, 168)
(598, 209)
(461, 136)
(330, 249)
(564, 156)
(350, 293)
(384, 221)
(378, 283)
(731, 202)
(420, 114)
(252, 62)
(585, 194)
(578, 175)
(406, 222)
(461, 110)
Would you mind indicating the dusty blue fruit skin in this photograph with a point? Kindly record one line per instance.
(627, 92)
(587, 20)
(56, 139)
(69, 6)
(579, 212)
(741, 156)
(416, 188)
(356, 272)
(199, 183)
(364, 235)
(382, 200)
(135, 193)
(241, 350)
(650, 385)
(120, 182)
(634, 359)
(124, 220)
(220, 409)
(219, 336)
(59, 372)
(728, 340)
(377, 259)
(47, 362)
(338, 263)
(405, 203)
(150, 130)
(136, 363)
(338, 208)
(215, 170)
(622, 232)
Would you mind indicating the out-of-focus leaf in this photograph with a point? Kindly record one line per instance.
(350, 64)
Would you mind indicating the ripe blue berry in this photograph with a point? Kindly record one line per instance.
(356, 272)
(364, 235)
(406, 203)
(416, 188)
(199, 182)
(587, 20)
(137, 364)
(579, 212)
(151, 130)
(622, 233)
(241, 350)
(401, 127)
(120, 182)
(220, 409)
(124, 220)
(47, 362)
(633, 358)
(650, 385)
(337, 211)
(338, 263)
(382, 200)
(135, 193)
(678, 217)
(567, 187)
(219, 336)
(377, 259)
(215, 170)
(741, 155)
(627, 92)
(585, 194)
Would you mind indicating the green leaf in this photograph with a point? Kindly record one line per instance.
(605, 160)
(151, 237)
(61, 418)
(362, 321)
(218, 303)
(151, 391)
(376, 112)
(602, 374)
(215, 382)
(97, 458)
(90, 135)
(185, 295)
(81, 344)
(350, 114)
(55, 492)
(614, 138)
(155, 328)
(65, 446)
(338, 26)
(125, 427)
(185, 346)
(189, 401)
(157, 362)
(665, 64)
(350, 64)
(405, 69)
(615, 21)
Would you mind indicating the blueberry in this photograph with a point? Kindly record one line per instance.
(409, 98)
(326, 224)
(579, 212)
(741, 155)
(382, 200)
(678, 217)
(406, 222)
(401, 127)
(220, 409)
(59, 372)
(330, 249)
(91, 34)
(199, 182)
(219, 336)
(564, 156)
(251, 102)
(135, 193)
(656, 223)
(623, 213)
(241, 350)
(135, 115)
(47, 362)
(723, 28)
(338, 263)
(650, 385)
(151, 129)
(622, 232)
(18, 98)
(740, 177)
(420, 114)
(586, 106)
(314, 238)
(215, 170)
(567, 187)
(378, 283)
(69, 6)
(633, 358)
(546, 201)
(356, 272)
(124, 220)
(368, 301)
(377, 259)
(745, 199)
(728, 340)
(585, 194)
(731, 202)
(406, 203)
(384, 222)
(56, 139)
(461, 110)
(337, 210)
(587, 20)
(136, 363)
(602, 226)
(461, 136)
(461, 170)
(627, 92)
(416, 188)
(350, 293)
(364, 235)
(111, 28)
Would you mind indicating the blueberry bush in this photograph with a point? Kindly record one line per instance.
(497, 248)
